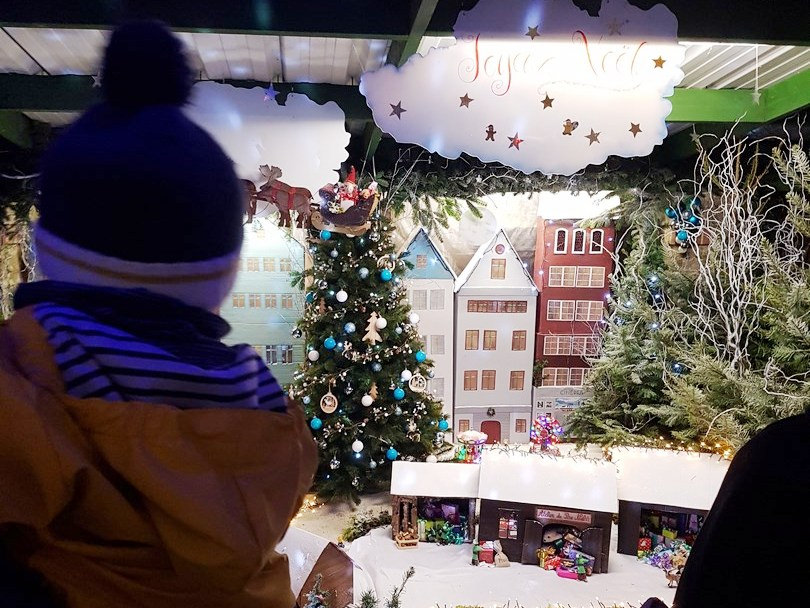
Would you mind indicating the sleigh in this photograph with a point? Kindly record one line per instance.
(353, 220)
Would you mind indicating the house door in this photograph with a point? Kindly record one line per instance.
(492, 428)
(532, 541)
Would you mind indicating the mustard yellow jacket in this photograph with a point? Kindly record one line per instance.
(136, 504)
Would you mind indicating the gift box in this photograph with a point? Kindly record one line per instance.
(670, 534)
(552, 563)
(487, 556)
(644, 544)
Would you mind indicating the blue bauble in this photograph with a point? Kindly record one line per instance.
(316, 423)
(363, 272)
(694, 220)
(420, 356)
(399, 393)
(377, 367)
(682, 236)
(386, 275)
(391, 454)
(305, 400)
(671, 213)
(310, 297)
(678, 368)
(329, 343)
(443, 425)
(349, 328)
(326, 235)
(696, 202)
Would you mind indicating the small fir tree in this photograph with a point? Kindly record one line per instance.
(316, 597)
(365, 393)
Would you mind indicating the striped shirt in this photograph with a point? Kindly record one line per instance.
(167, 362)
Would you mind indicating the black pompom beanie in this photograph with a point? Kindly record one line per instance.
(134, 194)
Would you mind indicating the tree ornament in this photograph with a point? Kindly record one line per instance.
(296, 332)
(310, 297)
(386, 275)
(334, 463)
(322, 284)
(391, 453)
(329, 402)
(399, 394)
(678, 368)
(356, 482)
(373, 390)
(313, 355)
(671, 213)
(349, 389)
(417, 383)
(366, 400)
(374, 236)
(376, 367)
(443, 424)
(420, 356)
(341, 296)
(682, 235)
(357, 446)
(334, 253)
(329, 343)
(349, 328)
(381, 323)
(306, 400)
(398, 330)
(431, 374)
(316, 423)
(372, 337)
(372, 465)
(325, 235)
(406, 375)
(431, 458)
(413, 318)
(387, 261)
(363, 272)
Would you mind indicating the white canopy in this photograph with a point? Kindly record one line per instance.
(441, 480)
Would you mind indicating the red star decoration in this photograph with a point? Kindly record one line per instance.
(514, 142)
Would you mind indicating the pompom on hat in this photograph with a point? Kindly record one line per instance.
(134, 194)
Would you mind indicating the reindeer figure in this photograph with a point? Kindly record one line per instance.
(286, 198)
(673, 576)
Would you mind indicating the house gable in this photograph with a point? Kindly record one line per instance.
(421, 248)
(481, 274)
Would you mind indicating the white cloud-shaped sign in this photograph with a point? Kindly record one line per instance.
(538, 85)
(307, 141)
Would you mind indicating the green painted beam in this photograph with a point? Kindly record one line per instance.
(16, 128)
(787, 96)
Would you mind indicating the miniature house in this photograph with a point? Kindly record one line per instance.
(430, 286)
(263, 307)
(530, 502)
(496, 303)
(571, 269)
(664, 495)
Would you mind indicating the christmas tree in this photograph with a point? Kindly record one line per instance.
(364, 384)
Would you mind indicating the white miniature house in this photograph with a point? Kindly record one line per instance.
(496, 302)
(430, 286)
(263, 307)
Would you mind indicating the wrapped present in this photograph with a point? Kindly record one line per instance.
(487, 555)
(552, 563)
(642, 554)
(573, 554)
(656, 539)
(669, 533)
(644, 544)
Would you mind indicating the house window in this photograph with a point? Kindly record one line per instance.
(463, 425)
(488, 380)
(270, 300)
(561, 310)
(560, 240)
(520, 425)
(269, 264)
(437, 299)
(238, 300)
(437, 387)
(285, 265)
(498, 269)
(421, 261)
(508, 524)
(471, 339)
(286, 300)
(590, 276)
(597, 240)
(279, 353)
(419, 299)
(490, 339)
(590, 310)
(519, 339)
(576, 376)
(253, 264)
(437, 344)
(557, 345)
(555, 376)
(254, 300)
(584, 346)
(562, 276)
(579, 241)
(471, 380)
(516, 380)
(497, 306)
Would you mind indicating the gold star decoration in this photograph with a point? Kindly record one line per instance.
(465, 101)
(397, 110)
(533, 33)
(514, 142)
(635, 129)
(659, 63)
(615, 28)
(592, 137)
(569, 126)
(547, 101)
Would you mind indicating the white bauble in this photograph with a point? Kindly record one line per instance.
(413, 318)
(367, 400)
(381, 323)
(341, 296)
(357, 446)
(313, 355)
(406, 375)
(431, 458)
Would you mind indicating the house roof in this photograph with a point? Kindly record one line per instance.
(468, 271)
(421, 235)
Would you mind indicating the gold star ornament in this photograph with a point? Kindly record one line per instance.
(635, 129)
(659, 62)
(533, 33)
(593, 137)
(465, 101)
(547, 101)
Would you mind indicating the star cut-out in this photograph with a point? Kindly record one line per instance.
(514, 142)
(635, 129)
(465, 101)
(547, 101)
(592, 137)
(96, 81)
(270, 93)
(397, 110)
(659, 63)
(615, 28)
(755, 96)
(533, 33)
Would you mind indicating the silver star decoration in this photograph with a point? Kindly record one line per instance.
(756, 95)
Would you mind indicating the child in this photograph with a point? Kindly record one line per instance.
(143, 463)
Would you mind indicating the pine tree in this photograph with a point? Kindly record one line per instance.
(316, 597)
(365, 395)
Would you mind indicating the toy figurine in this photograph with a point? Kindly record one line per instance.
(476, 549)
(581, 563)
(673, 576)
